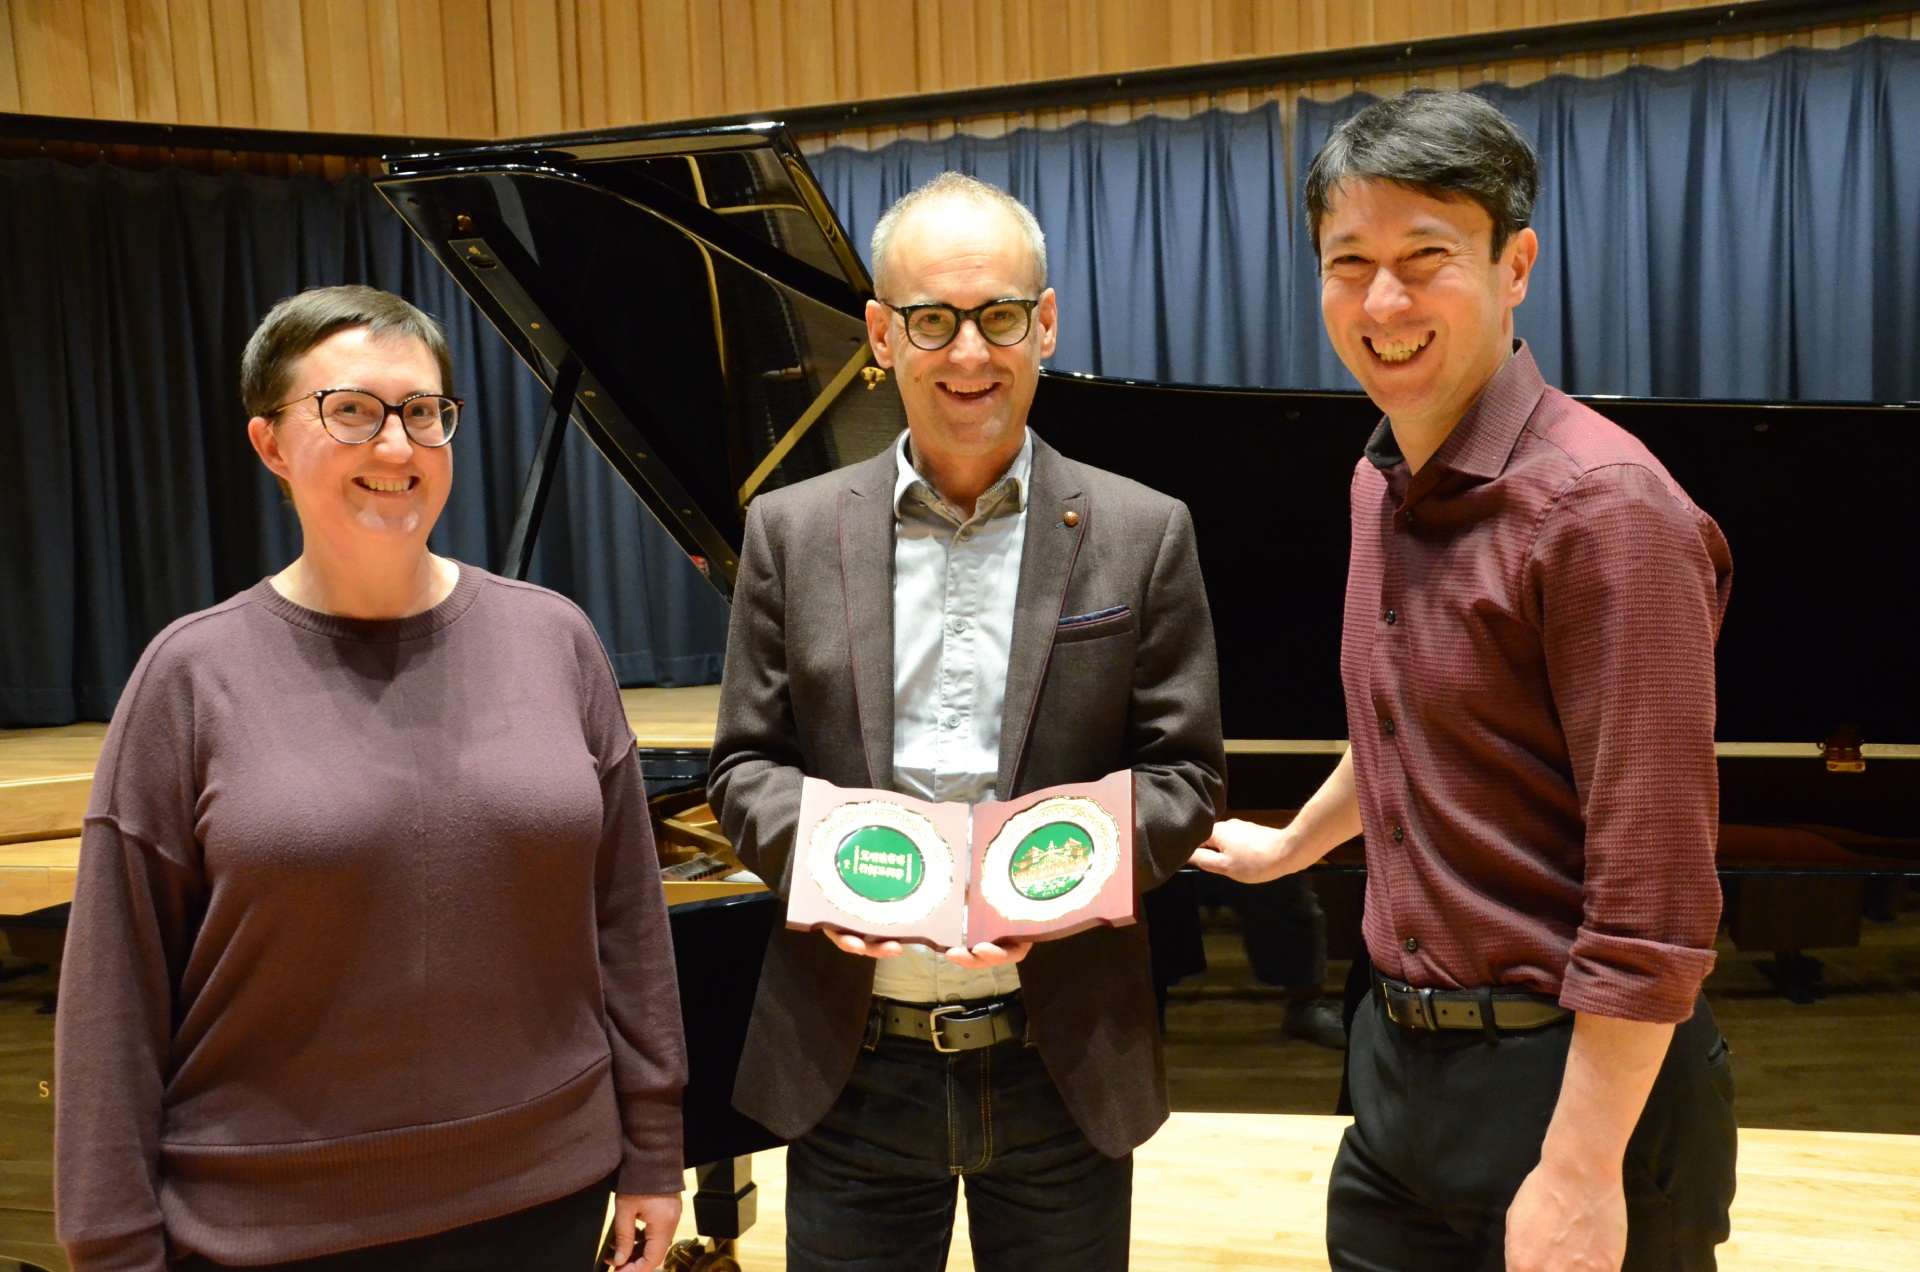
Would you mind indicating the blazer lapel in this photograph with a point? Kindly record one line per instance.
(866, 577)
(1046, 566)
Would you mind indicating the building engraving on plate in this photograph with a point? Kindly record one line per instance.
(880, 862)
(1051, 859)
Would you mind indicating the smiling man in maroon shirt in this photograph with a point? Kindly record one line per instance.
(1532, 604)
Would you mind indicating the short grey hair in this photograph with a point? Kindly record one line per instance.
(1448, 145)
(957, 185)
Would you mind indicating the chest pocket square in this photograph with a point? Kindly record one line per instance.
(1095, 624)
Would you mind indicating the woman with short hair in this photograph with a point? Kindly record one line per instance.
(368, 965)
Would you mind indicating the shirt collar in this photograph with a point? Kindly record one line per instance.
(1480, 443)
(907, 478)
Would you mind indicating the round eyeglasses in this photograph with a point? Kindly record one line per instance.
(1002, 322)
(354, 417)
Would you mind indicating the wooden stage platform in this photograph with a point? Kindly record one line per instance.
(1247, 1191)
(46, 777)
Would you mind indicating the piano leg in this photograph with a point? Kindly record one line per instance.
(724, 1207)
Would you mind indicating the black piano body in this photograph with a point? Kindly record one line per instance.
(695, 307)
(713, 306)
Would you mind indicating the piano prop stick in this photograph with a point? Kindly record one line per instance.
(890, 867)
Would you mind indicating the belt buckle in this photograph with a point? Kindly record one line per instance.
(1410, 1008)
(934, 1017)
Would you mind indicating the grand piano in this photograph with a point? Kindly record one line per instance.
(694, 307)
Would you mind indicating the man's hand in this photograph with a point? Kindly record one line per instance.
(848, 943)
(658, 1216)
(1567, 1220)
(1571, 1210)
(989, 953)
(1250, 852)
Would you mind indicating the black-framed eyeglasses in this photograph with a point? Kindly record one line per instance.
(354, 417)
(1002, 322)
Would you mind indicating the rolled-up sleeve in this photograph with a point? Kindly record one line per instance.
(1631, 582)
(1631, 587)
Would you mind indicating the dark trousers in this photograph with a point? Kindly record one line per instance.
(1282, 926)
(1448, 1124)
(872, 1188)
(556, 1236)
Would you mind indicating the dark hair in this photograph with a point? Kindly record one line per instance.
(298, 323)
(1447, 145)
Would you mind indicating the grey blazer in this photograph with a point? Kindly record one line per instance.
(808, 689)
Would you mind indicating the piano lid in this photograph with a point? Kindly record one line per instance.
(715, 306)
(703, 284)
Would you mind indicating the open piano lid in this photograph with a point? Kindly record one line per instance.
(706, 289)
(715, 304)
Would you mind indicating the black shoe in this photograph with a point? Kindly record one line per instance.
(1315, 1020)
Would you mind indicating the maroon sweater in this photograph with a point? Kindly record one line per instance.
(368, 941)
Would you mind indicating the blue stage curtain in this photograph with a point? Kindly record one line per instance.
(1167, 239)
(128, 493)
(1733, 229)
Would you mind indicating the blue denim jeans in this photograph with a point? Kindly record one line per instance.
(872, 1188)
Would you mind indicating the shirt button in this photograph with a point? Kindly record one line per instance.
(1399, 833)
(1393, 616)
(957, 626)
(950, 722)
(1411, 945)
(1387, 726)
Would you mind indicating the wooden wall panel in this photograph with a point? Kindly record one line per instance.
(109, 58)
(149, 33)
(465, 49)
(504, 68)
(195, 69)
(51, 58)
(233, 83)
(9, 73)
(276, 37)
(1516, 72)
(387, 90)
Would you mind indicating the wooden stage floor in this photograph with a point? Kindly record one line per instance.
(1237, 1179)
(1247, 1191)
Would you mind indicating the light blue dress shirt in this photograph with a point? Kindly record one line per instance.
(955, 580)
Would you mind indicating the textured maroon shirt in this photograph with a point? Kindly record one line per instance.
(1528, 665)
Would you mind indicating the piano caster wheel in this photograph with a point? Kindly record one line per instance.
(697, 1256)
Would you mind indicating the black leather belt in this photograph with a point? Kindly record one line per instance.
(948, 1026)
(1488, 1010)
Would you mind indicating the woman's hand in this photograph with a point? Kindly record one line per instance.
(656, 1217)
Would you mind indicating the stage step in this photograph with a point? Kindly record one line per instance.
(37, 874)
(46, 777)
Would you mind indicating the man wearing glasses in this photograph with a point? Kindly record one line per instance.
(968, 615)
